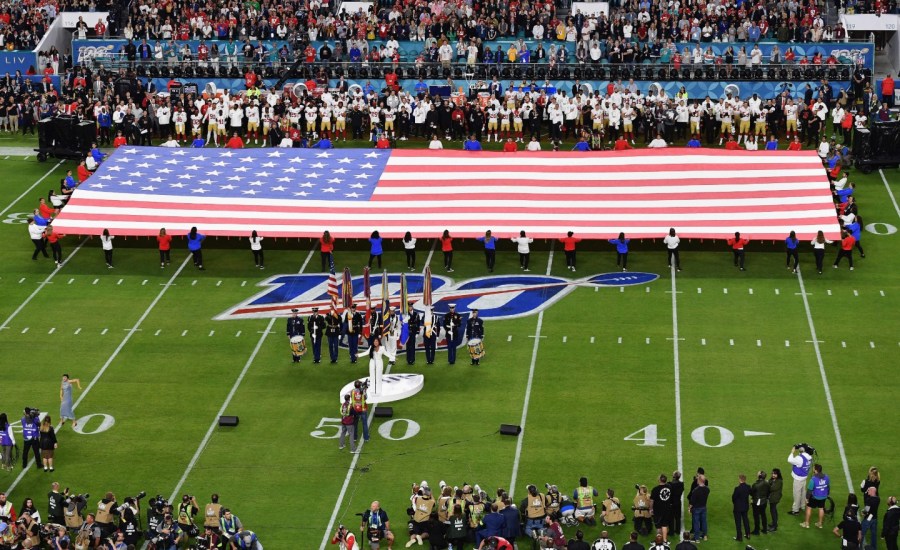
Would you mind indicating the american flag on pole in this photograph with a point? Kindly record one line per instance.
(703, 193)
(334, 290)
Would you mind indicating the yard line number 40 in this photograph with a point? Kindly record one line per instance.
(648, 436)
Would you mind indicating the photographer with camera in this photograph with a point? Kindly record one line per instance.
(534, 509)
(31, 426)
(422, 505)
(168, 534)
(29, 529)
(186, 512)
(376, 526)
(247, 540)
(89, 534)
(800, 460)
(56, 503)
(212, 513)
(107, 511)
(74, 510)
(156, 513)
(129, 518)
(345, 538)
(641, 508)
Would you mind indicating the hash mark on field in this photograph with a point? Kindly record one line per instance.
(157, 332)
(620, 339)
(509, 338)
(759, 343)
(731, 341)
(725, 290)
(71, 281)
(596, 289)
(24, 330)
(219, 283)
(244, 283)
(194, 282)
(843, 344)
(95, 281)
(184, 332)
(592, 339)
(882, 292)
(104, 331)
(648, 340)
(77, 330)
(787, 343)
(777, 292)
(648, 289)
(51, 331)
(212, 332)
(144, 282)
(751, 290)
(120, 281)
(699, 290)
(565, 338)
(855, 292)
(238, 333)
(828, 291)
(621, 289)
(703, 341)
(872, 345)
(22, 280)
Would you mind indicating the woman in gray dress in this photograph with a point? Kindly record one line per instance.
(66, 411)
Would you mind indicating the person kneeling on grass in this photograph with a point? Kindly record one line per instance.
(584, 501)
(422, 505)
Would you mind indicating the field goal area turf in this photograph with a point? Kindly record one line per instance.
(708, 367)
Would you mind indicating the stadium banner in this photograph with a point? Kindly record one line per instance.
(70, 18)
(17, 60)
(856, 52)
(356, 7)
(591, 8)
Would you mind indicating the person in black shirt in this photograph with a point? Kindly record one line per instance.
(633, 543)
(661, 506)
(578, 542)
(871, 503)
(849, 530)
(295, 328)
(740, 500)
(697, 507)
(677, 487)
(686, 543)
(891, 524)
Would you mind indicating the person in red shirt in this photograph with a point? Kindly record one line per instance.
(310, 54)
(510, 146)
(846, 251)
(569, 248)
(235, 142)
(383, 142)
(497, 543)
(887, 90)
(165, 247)
(119, 140)
(46, 211)
(731, 144)
(250, 79)
(53, 238)
(83, 172)
(737, 244)
(447, 249)
(795, 145)
(326, 249)
(622, 144)
(345, 538)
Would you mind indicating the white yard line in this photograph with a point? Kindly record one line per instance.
(360, 443)
(234, 388)
(678, 446)
(534, 352)
(109, 361)
(40, 286)
(890, 193)
(27, 191)
(834, 421)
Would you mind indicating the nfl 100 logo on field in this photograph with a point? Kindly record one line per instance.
(495, 297)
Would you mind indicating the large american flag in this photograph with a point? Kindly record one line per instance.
(351, 192)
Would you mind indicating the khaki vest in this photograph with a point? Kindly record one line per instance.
(536, 508)
(444, 509)
(422, 507)
(104, 512)
(74, 520)
(613, 512)
(476, 514)
(211, 516)
(642, 506)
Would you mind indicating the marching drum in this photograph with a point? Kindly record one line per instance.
(476, 348)
(298, 345)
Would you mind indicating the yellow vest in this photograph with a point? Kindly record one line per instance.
(476, 514)
(641, 506)
(585, 497)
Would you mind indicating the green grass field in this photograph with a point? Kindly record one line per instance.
(595, 368)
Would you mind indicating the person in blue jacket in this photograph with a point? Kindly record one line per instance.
(494, 524)
(194, 240)
(791, 244)
(104, 121)
(582, 145)
(472, 144)
(375, 249)
(96, 154)
(490, 249)
(324, 143)
(621, 250)
(772, 144)
(855, 229)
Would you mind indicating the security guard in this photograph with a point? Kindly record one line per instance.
(316, 326)
(452, 323)
(212, 513)
(351, 326)
(430, 334)
(414, 322)
(333, 332)
(475, 329)
(295, 328)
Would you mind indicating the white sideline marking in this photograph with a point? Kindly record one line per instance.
(731, 341)
(620, 339)
(104, 331)
(106, 365)
(51, 331)
(219, 283)
(534, 352)
(831, 411)
(843, 344)
(244, 283)
(777, 292)
(22, 280)
(828, 291)
(71, 281)
(95, 281)
(621, 289)
(882, 292)
(144, 282)
(38, 289)
(648, 289)
(27, 191)
(77, 330)
(699, 290)
(759, 343)
(24, 330)
(352, 467)
(787, 343)
(194, 282)
(855, 292)
(703, 341)
(725, 290)
(596, 289)
(751, 290)
(886, 186)
(509, 338)
(677, 365)
(648, 340)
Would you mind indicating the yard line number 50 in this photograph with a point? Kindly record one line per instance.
(330, 428)
(648, 436)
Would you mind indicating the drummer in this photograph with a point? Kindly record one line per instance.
(475, 329)
(295, 329)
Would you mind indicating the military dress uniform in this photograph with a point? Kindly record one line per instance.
(376, 328)
(414, 323)
(333, 333)
(295, 328)
(351, 326)
(475, 329)
(452, 329)
(429, 337)
(316, 326)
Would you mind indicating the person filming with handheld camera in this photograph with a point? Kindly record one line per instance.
(376, 526)
(345, 538)
(800, 460)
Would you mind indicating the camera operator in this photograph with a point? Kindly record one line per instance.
(345, 538)
(641, 508)
(534, 508)
(74, 511)
(801, 461)
(168, 534)
(209, 540)
(28, 529)
(186, 512)
(56, 503)
(229, 525)
(376, 526)
(129, 519)
(107, 511)
(156, 512)
(212, 513)
(31, 426)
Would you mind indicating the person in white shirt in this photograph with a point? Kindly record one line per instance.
(252, 112)
(523, 243)
(751, 144)
(409, 246)
(256, 248)
(533, 145)
(658, 143)
(435, 143)
(672, 241)
(106, 243)
(170, 143)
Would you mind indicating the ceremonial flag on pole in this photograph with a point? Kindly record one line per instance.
(333, 288)
(347, 289)
(367, 292)
(428, 318)
(404, 319)
(385, 304)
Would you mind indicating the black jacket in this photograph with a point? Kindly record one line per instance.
(740, 498)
